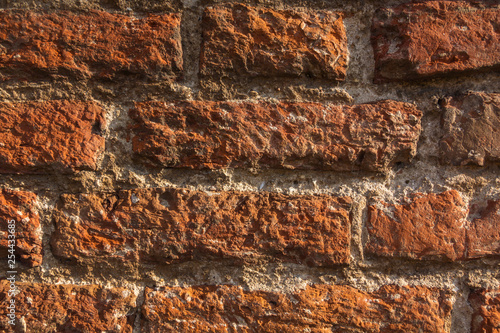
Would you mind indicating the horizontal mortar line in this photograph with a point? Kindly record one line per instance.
(433, 269)
(188, 172)
(441, 86)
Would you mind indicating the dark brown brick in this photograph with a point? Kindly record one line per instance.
(176, 225)
(243, 40)
(49, 308)
(431, 226)
(318, 308)
(51, 136)
(213, 135)
(486, 311)
(470, 124)
(93, 44)
(435, 38)
(20, 207)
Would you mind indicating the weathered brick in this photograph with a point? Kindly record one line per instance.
(486, 311)
(214, 135)
(92, 44)
(178, 225)
(243, 40)
(470, 124)
(435, 38)
(68, 308)
(20, 207)
(39, 137)
(483, 235)
(431, 226)
(318, 308)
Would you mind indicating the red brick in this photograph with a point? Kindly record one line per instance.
(318, 308)
(486, 311)
(483, 235)
(20, 207)
(40, 137)
(215, 135)
(435, 38)
(69, 308)
(92, 44)
(176, 225)
(243, 40)
(470, 124)
(431, 226)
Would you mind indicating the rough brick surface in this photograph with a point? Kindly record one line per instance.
(470, 124)
(435, 38)
(177, 225)
(36, 137)
(69, 308)
(431, 226)
(242, 40)
(319, 308)
(92, 44)
(483, 236)
(20, 206)
(284, 135)
(486, 311)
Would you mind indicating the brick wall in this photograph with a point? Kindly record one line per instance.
(268, 166)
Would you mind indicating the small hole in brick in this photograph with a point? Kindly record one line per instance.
(96, 128)
(106, 204)
(361, 157)
(399, 165)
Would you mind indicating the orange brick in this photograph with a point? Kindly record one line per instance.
(49, 308)
(435, 38)
(20, 207)
(250, 41)
(431, 226)
(94, 44)
(309, 136)
(176, 225)
(52, 136)
(318, 308)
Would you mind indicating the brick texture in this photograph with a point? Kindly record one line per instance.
(68, 308)
(85, 45)
(430, 226)
(483, 236)
(177, 225)
(225, 166)
(486, 311)
(20, 206)
(215, 135)
(51, 136)
(250, 41)
(435, 38)
(470, 125)
(318, 308)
